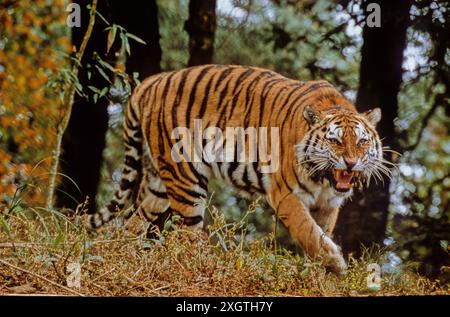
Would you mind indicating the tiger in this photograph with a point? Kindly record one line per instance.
(326, 150)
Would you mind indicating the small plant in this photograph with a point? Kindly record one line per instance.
(66, 84)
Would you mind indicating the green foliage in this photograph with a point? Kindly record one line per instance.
(174, 40)
(298, 41)
(420, 210)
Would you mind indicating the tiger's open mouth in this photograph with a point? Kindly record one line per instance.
(344, 180)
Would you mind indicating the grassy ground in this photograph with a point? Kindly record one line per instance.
(40, 253)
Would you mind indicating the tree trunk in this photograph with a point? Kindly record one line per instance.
(141, 19)
(201, 27)
(363, 220)
(84, 140)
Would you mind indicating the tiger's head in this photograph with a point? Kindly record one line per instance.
(342, 146)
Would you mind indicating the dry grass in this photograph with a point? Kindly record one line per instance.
(36, 248)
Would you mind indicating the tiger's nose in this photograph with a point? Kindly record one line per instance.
(350, 163)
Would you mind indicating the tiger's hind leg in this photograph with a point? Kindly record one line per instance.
(157, 226)
(162, 196)
(131, 172)
(186, 191)
(153, 204)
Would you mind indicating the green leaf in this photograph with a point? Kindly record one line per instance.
(58, 239)
(106, 65)
(102, 73)
(104, 91)
(125, 43)
(78, 87)
(136, 78)
(5, 227)
(167, 225)
(111, 37)
(94, 89)
(102, 17)
(137, 39)
(127, 46)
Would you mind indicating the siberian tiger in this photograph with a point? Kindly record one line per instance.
(325, 149)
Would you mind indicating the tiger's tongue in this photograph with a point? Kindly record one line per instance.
(343, 179)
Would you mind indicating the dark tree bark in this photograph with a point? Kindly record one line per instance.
(84, 139)
(201, 27)
(141, 19)
(363, 220)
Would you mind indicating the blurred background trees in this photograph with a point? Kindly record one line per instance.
(403, 67)
(201, 27)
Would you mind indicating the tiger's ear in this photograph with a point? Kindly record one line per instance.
(311, 115)
(373, 115)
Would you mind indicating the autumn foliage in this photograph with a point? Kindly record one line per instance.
(33, 44)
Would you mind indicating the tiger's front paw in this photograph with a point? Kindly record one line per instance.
(336, 264)
(332, 257)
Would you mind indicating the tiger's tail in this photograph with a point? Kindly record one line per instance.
(132, 169)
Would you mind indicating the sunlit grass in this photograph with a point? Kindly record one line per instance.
(37, 247)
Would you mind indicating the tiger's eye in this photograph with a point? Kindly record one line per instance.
(363, 142)
(334, 141)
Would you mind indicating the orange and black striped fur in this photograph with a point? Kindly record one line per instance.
(325, 149)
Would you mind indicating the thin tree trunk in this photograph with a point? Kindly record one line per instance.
(69, 101)
(363, 220)
(201, 27)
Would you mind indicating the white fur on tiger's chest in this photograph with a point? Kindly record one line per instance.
(320, 195)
